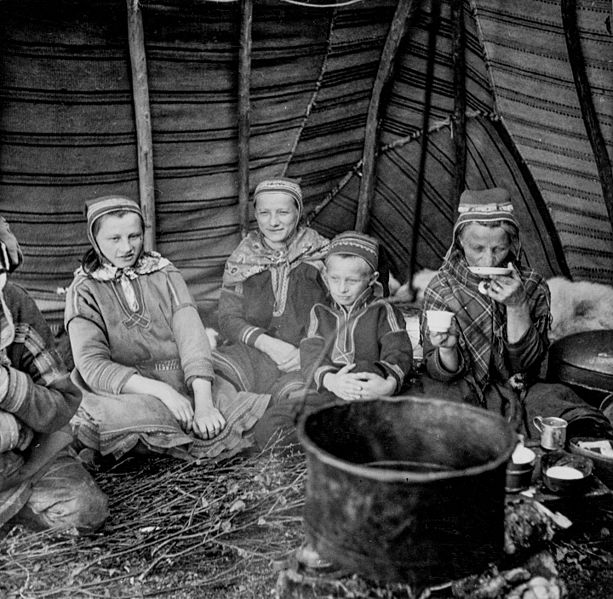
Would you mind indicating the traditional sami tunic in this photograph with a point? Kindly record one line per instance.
(148, 325)
(270, 292)
(370, 334)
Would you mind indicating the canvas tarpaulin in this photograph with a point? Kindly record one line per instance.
(67, 129)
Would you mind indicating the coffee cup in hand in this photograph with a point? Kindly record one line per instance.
(439, 321)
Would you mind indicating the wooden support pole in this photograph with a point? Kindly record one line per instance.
(142, 117)
(395, 35)
(458, 127)
(435, 14)
(244, 116)
(586, 103)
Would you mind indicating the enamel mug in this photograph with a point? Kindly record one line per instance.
(553, 431)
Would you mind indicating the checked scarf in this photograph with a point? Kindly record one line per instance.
(481, 321)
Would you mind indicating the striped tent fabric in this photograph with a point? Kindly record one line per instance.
(534, 88)
(67, 129)
(492, 157)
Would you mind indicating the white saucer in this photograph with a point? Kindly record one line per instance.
(486, 271)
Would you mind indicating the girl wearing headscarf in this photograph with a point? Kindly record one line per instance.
(142, 357)
(270, 283)
(492, 354)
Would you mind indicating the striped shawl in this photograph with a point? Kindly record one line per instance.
(481, 322)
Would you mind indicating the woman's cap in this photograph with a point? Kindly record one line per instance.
(357, 244)
(98, 207)
(486, 205)
(290, 187)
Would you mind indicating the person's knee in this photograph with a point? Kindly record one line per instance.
(66, 496)
(86, 510)
(90, 509)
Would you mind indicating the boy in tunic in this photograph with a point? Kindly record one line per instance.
(356, 347)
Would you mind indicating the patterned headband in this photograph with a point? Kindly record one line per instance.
(486, 205)
(357, 244)
(284, 185)
(98, 207)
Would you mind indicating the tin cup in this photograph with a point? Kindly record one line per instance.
(520, 469)
(553, 431)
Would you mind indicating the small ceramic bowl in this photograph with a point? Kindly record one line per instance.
(603, 464)
(564, 473)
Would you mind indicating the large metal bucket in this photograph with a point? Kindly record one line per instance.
(406, 489)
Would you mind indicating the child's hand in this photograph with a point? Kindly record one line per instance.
(285, 355)
(374, 385)
(344, 384)
(208, 422)
(179, 406)
(291, 362)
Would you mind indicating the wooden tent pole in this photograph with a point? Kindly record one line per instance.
(244, 122)
(395, 35)
(586, 103)
(435, 13)
(142, 115)
(458, 123)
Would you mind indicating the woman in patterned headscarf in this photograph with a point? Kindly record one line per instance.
(270, 283)
(493, 352)
(143, 360)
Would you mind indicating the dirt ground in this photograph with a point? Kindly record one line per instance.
(229, 531)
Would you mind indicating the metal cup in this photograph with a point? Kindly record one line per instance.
(553, 431)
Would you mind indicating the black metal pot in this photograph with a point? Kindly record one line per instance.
(406, 489)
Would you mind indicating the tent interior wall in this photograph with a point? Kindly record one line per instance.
(67, 125)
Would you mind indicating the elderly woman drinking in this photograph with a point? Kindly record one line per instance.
(492, 353)
(270, 283)
(143, 360)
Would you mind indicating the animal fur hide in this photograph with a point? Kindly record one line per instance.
(579, 306)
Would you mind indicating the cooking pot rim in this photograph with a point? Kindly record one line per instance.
(389, 475)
